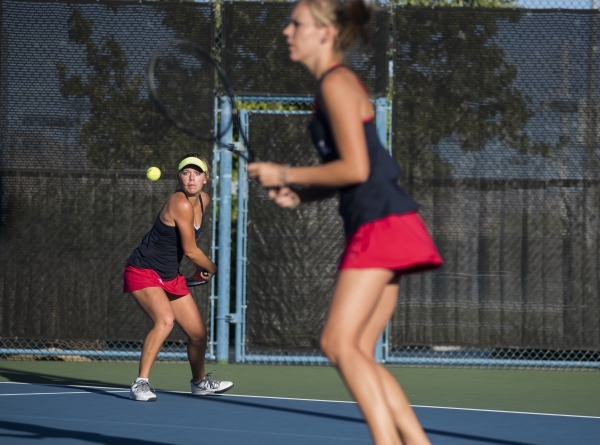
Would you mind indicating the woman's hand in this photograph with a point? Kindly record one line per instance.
(202, 275)
(268, 174)
(284, 197)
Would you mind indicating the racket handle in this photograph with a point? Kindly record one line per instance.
(248, 157)
(191, 282)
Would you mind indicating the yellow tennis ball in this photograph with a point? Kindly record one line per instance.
(153, 173)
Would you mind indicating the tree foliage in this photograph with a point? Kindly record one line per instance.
(124, 128)
(452, 80)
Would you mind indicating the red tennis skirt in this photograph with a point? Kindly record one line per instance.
(136, 279)
(397, 242)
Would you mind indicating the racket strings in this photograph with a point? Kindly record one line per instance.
(183, 82)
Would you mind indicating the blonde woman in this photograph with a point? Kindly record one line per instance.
(385, 235)
(153, 279)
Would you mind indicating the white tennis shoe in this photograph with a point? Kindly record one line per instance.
(140, 391)
(207, 386)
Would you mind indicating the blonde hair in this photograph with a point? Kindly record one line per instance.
(190, 155)
(350, 18)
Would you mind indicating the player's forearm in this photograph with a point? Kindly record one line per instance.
(334, 174)
(199, 259)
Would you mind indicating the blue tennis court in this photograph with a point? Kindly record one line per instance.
(65, 414)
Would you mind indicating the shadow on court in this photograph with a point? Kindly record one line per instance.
(237, 402)
(47, 379)
(61, 382)
(273, 406)
(479, 439)
(258, 405)
(57, 381)
(42, 432)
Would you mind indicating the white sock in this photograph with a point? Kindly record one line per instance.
(141, 379)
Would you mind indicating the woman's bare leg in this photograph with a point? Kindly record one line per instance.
(407, 423)
(155, 303)
(188, 317)
(356, 297)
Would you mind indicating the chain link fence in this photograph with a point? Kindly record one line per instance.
(507, 4)
(77, 133)
(492, 123)
(493, 118)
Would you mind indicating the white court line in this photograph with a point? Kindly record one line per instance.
(507, 412)
(320, 400)
(414, 406)
(98, 387)
(284, 398)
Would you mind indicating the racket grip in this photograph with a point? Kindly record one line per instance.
(191, 282)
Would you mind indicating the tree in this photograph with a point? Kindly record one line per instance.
(452, 80)
(124, 128)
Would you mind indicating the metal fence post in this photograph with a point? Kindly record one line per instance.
(381, 121)
(224, 235)
(242, 228)
(381, 108)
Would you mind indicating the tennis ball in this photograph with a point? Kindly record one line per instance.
(153, 173)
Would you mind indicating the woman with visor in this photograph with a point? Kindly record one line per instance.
(153, 279)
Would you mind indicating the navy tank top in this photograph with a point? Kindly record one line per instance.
(377, 197)
(161, 250)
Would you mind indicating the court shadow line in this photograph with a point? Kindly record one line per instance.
(28, 377)
(103, 392)
(35, 377)
(44, 432)
(232, 401)
(60, 382)
(473, 437)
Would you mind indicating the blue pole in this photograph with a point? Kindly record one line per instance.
(239, 263)
(224, 271)
(381, 125)
(381, 108)
(240, 254)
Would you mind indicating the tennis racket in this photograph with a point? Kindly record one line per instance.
(182, 78)
(191, 282)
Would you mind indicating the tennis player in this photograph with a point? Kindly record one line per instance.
(153, 279)
(385, 236)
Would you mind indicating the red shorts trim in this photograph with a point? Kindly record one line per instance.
(396, 242)
(136, 279)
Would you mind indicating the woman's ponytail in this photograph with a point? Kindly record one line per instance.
(352, 21)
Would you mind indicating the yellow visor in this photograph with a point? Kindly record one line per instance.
(193, 161)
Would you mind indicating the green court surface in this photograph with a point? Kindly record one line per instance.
(555, 392)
